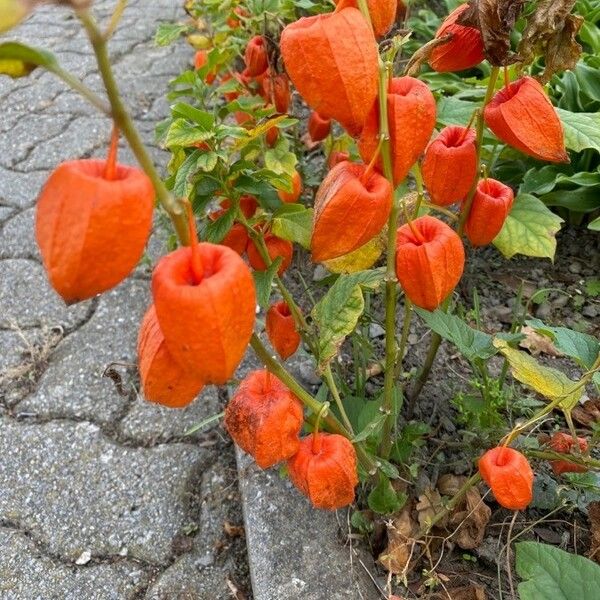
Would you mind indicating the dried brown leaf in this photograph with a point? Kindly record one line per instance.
(594, 518)
(537, 343)
(429, 504)
(398, 556)
(587, 413)
(495, 19)
(466, 592)
(233, 530)
(551, 32)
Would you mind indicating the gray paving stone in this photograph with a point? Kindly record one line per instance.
(5, 213)
(15, 345)
(20, 189)
(17, 236)
(146, 421)
(77, 491)
(27, 300)
(27, 574)
(73, 385)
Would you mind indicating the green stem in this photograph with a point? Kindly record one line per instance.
(336, 396)
(584, 461)
(126, 125)
(408, 312)
(311, 403)
(416, 171)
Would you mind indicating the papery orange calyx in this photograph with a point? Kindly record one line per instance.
(332, 61)
(264, 418)
(564, 443)
(276, 247)
(430, 260)
(509, 475)
(411, 115)
(522, 116)
(352, 206)
(276, 90)
(463, 51)
(450, 165)
(281, 329)
(255, 56)
(382, 13)
(295, 193)
(490, 207)
(324, 470)
(163, 380)
(318, 127)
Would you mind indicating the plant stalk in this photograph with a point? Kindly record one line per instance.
(122, 118)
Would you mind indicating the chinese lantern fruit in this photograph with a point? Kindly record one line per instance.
(450, 165)
(491, 204)
(324, 470)
(281, 329)
(411, 113)
(509, 476)
(464, 49)
(248, 205)
(277, 91)
(430, 259)
(564, 443)
(337, 157)
(318, 127)
(276, 248)
(523, 117)
(91, 229)
(264, 418)
(294, 195)
(200, 60)
(332, 61)
(163, 380)
(382, 13)
(207, 321)
(255, 56)
(351, 207)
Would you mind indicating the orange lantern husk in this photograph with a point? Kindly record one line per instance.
(411, 114)
(281, 329)
(205, 302)
(382, 13)
(522, 116)
(324, 470)
(276, 89)
(430, 260)
(491, 205)
(463, 51)
(294, 195)
(450, 165)
(509, 476)
(255, 56)
(564, 443)
(352, 205)
(264, 418)
(336, 157)
(276, 247)
(332, 61)
(318, 127)
(164, 381)
(92, 229)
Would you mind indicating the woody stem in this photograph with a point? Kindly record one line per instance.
(336, 396)
(125, 123)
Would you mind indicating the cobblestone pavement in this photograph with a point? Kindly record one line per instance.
(101, 495)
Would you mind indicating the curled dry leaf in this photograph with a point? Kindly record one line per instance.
(537, 343)
(471, 516)
(495, 20)
(587, 413)
(594, 518)
(430, 504)
(551, 32)
(400, 553)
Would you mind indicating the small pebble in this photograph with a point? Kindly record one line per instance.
(575, 267)
(589, 310)
(84, 558)
(376, 330)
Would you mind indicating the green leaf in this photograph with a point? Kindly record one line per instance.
(373, 427)
(582, 130)
(473, 344)
(582, 199)
(183, 133)
(18, 60)
(183, 184)
(582, 347)
(218, 229)
(201, 117)
(550, 572)
(263, 281)
(529, 229)
(280, 160)
(207, 161)
(337, 313)
(384, 499)
(595, 224)
(453, 111)
(167, 33)
(293, 222)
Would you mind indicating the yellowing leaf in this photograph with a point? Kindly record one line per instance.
(18, 60)
(529, 229)
(361, 259)
(12, 12)
(550, 383)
